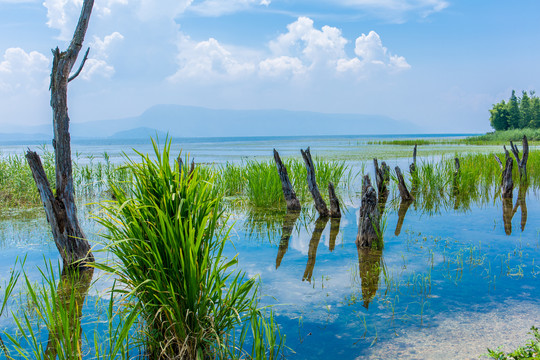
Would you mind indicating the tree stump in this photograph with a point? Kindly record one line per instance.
(522, 164)
(335, 211)
(293, 204)
(369, 230)
(403, 191)
(60, 207)
(507, 184)
(320, 205)
(412, 167)
(382, 177)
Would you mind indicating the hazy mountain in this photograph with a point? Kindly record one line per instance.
(190, 121)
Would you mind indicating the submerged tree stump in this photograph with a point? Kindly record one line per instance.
(293, 204)
(507, 184)
(402, 187)
(320, 205)
(335, 211)
(456, 177)
(522, 164)
(369, 230)
(382, 177)
(412, 167)
(60, 207)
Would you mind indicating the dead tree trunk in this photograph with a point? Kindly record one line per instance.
(335, 211)
(60, 209)
(507, 184)
(320, 205)
(522, 164)
(403, 191)
(293, 204)
(369, 230)
(382, 177)
(412, 167)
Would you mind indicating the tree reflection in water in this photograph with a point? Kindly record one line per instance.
(320, 224)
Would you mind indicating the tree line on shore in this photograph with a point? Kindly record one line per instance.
(518, 113)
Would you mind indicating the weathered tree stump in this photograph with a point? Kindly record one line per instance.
(293, 204)
(369, 230)
(288, 226)
(507, 184)
(382, 177)
(369, 263)
(320, 224)
(335, 211)
(334, 231)
(402, 187)
(412, 167)
(522, 164)
(403, 208)
(60, 207)
(320, 205)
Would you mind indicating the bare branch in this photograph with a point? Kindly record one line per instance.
(72, 77)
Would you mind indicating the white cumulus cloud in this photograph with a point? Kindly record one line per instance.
(282, 66)
(97, 65)
(223, 7)
(208, 59)
(22, 71)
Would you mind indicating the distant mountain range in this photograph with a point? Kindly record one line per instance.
(191, 121)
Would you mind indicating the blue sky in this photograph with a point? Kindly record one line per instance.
(439, 64)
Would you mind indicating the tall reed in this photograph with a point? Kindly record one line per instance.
(168, 241)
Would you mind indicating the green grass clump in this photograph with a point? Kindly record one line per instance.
(530, 351)
(168, 242)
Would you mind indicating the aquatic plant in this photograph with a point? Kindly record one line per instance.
(529, 351)
(168, 242)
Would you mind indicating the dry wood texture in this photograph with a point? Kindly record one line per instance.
(368, 222)
(402, 187)
(60, 209)
(335, 211)
(522, 163)
(293, 204)
(320, 205)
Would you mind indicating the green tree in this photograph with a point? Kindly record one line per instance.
(499, 116)
(535, 111)
(514, 120)
(526, 111)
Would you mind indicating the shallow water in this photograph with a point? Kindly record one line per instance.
(447, 285)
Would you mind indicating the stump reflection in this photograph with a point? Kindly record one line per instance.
(369, 264)
(289, 221)
(67, 306)
(320, 224)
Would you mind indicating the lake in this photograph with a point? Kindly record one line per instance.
(450, 282)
